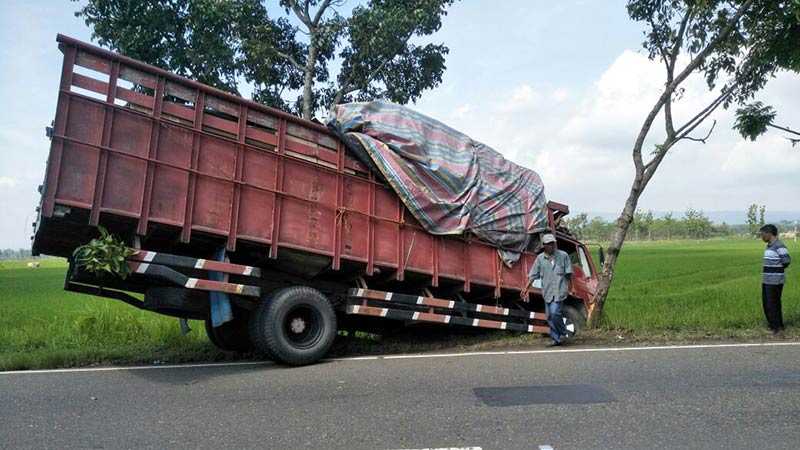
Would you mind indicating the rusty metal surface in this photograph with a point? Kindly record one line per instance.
(135, 143)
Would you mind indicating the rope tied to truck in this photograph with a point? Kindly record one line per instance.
(449, 182)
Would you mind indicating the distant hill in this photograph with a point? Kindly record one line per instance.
(718, 217)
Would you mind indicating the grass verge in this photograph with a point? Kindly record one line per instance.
(663, 293)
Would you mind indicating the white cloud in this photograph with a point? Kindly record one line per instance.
(8, 182)
(582, 149)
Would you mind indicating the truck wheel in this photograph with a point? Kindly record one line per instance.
(295, 325)
(231, 336)
(573, 319)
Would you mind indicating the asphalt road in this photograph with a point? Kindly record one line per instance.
(676, 398)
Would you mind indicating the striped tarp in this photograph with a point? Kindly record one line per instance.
(449, 182)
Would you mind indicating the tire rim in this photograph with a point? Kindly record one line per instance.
(302, 326)
(569, 325)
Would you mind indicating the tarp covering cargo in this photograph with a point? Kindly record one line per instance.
(450, 182)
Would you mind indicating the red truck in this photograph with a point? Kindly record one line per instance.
(241, 211)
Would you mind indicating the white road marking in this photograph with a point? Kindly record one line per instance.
(563, 350)
(415, 356)
(440, 448)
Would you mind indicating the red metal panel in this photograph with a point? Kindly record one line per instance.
(355, 226)
(225, 165)
(308, 213)
(451, 258)
(258, 198)
(179, 111)
(90, 84)
(56, 149)
(418, 253)
(152, 148)
(214, 199)
(340, 212)
(515, 276)
(217, 123)
(371, 229)
(108, 120)
(190, 195)
(74, 187)
(233, 231)
(85, 121)
(276, 212)
(256, 136)
(125, 176)
(482, 271)
(170, 183)
(216, 158)
(386, 232)
(134, 99)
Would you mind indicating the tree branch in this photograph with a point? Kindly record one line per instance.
(320, 11)
(692, 123)
(670, 88)
(291, 60)
(703, 140)
(302, 15)
(788, 130)
(348, 87)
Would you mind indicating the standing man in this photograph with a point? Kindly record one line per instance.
(776, 259)
(554, 268)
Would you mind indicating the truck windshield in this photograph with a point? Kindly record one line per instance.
(583, 262)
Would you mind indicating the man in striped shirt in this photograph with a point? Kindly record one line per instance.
(776, 259)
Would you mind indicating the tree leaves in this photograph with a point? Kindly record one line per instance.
(104, 255)
(219, 42)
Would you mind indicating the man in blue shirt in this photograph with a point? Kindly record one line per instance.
(776, 260)
(554, 268)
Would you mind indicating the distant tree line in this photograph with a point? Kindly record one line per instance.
(645, 226)
(8, 253)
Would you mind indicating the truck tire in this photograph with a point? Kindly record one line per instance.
(231, 336)
(574, 320)
(294, 325)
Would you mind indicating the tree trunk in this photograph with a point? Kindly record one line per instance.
(607, 274)
(308, 80)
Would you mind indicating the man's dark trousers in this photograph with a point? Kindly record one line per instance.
(771, 299)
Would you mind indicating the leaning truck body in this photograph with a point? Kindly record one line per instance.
(277, 231)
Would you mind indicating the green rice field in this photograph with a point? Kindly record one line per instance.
(664, 291)
(695, 287)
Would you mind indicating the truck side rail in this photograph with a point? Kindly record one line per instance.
(396, 306)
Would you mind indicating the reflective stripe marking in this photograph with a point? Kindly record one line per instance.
(142, 268)
(191, 282)
(200, 263)
(148, 256)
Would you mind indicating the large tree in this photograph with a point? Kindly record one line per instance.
(737, 45)
(754, 119)
(301, 56)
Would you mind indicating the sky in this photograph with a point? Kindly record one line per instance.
(558, 87)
